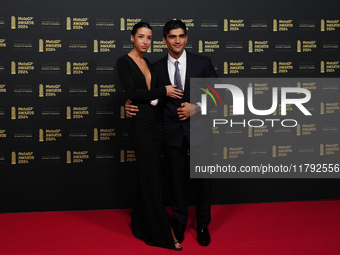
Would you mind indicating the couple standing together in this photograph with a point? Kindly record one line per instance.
(160, 114)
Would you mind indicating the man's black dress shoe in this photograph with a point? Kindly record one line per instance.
(203, 236)
(179, 231)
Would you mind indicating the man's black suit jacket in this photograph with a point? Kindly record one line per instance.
(174, 129)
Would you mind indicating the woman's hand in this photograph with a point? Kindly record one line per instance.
(171, 91)
(130, 110)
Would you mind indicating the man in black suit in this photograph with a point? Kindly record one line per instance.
(177, 68)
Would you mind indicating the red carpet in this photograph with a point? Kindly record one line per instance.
(273, 228)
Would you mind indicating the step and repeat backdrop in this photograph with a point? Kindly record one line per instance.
(63, 138)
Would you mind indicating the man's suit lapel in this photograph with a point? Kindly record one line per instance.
(164, 71)
(189, 73)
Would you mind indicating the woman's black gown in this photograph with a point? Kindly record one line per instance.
(149, 219)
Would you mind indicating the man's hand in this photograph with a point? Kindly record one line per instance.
(186, 111)
(130, 110)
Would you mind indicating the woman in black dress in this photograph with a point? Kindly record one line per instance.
(149, 219)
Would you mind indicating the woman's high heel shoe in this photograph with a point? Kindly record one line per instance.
(178, 246)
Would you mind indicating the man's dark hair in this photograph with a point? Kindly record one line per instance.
(139, 25)
(173, 24)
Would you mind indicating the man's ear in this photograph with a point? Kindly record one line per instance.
(132, 39)
(164, 40)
